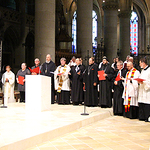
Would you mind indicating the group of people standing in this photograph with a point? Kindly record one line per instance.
(122, 85)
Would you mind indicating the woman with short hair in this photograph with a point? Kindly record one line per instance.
(21, 74)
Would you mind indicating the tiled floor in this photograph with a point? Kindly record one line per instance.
(115, 133)
(22, 129)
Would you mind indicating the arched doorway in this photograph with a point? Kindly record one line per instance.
(29, 49)
(10, 42)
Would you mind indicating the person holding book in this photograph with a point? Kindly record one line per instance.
(144, 91)
(105, 84)
(37, 65)
(130, 94)
(118, 89)
(8, 80)
(20, 77)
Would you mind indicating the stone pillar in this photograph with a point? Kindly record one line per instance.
(124, 20)
(110, 28)
(148, 36)
(124, 46)
(84, 27)
(44, 29)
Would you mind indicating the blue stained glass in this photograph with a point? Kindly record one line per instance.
(134, 34)
(94, 30)
(74, 32)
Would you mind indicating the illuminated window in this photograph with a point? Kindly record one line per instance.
(74, 32)
(134, 33)
(94, 30)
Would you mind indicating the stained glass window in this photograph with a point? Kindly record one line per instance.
(134, 34)
(94, 30)
(74, 32)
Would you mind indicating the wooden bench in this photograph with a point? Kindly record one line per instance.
(16, 96)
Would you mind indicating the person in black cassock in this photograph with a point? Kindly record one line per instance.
(105, 86)
(77, 83)
(48, 69)
(118, 90)
(90, 80)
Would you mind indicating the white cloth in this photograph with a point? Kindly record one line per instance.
(132, 89)
(100, 65)
(113, 65)
(71, 64)
(65, 78)
(144, 89)
(8, 87)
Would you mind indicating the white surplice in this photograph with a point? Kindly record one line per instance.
(132, 89)
(8, 87)
(144, 89)
(65, 78)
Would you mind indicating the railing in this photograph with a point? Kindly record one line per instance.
(14, 16)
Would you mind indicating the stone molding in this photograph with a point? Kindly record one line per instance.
(124, 14)
(110, 6)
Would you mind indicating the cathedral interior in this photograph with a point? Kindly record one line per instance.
(66, 28)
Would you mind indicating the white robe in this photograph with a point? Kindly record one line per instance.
(132, 89)
(8, 87)
(144, 89)
(65, 78)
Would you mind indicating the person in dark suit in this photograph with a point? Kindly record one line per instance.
(118, 90)
(48, 69)
(76, 76)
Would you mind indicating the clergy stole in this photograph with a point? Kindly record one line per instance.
(127, 107)
(60, 78)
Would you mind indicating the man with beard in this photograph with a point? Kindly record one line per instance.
(90, 81)
(105, 86)
(48, 69)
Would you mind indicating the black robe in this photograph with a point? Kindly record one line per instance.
(105, 87)
(46, 70)
(77, 85)
(89, 78)
(118, 106)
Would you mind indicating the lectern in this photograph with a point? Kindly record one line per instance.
(38, 93)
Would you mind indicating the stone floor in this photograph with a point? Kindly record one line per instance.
(113, 133)
(20, 129)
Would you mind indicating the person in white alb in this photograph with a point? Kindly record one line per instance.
(8, 80)
(144, 91)
(130, 93)
(62, 82)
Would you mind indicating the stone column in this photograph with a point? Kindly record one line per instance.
(84, 27)
(124, 46)
(110, 28)
(44, 29)
(124, 20)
